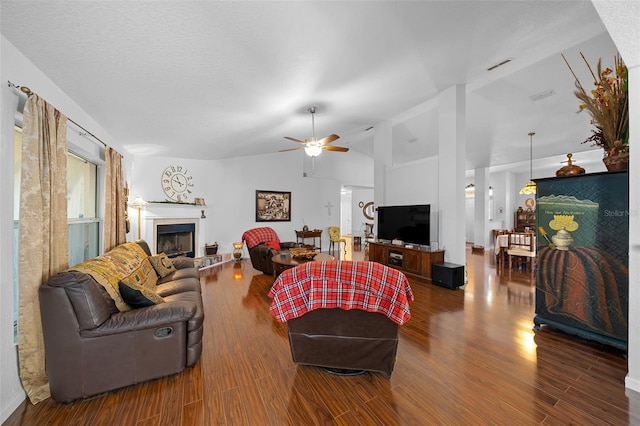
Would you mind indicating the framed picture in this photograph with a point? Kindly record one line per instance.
(273, 206)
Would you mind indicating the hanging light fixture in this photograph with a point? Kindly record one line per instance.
(530, 187)
(312, 147)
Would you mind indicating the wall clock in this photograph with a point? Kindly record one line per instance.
(177, 183)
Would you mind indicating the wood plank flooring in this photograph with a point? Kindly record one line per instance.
(467, 356)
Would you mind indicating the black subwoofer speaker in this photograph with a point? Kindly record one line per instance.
(449, 275)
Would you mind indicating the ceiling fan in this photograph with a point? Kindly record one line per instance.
(314, 146)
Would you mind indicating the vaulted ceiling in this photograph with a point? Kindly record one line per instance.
(205, 79)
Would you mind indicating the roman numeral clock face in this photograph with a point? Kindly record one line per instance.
(177, 183)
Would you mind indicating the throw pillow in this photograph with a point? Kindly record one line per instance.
(138, 296)
(274, 245)
(143, 275)
(162, 264)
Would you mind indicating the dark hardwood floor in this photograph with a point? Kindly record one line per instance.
(467, 356)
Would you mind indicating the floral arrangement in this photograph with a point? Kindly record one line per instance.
(608, 104)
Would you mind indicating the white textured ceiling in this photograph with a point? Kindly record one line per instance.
(209, 79)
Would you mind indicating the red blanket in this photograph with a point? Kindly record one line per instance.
(368, 286)
(255, 236)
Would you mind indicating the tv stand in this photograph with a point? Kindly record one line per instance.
(411, 261)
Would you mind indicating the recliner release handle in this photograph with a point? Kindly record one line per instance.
(164, 332)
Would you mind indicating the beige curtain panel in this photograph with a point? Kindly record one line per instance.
(43, 247)
(114, 216)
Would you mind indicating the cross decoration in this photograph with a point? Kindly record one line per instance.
(328, 206)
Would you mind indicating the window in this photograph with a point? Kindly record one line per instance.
(82, 210)
(84, 225)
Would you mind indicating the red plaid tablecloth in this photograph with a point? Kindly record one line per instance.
(255, 236)
(368, 286)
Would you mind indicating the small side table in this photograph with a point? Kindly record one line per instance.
(316, 233)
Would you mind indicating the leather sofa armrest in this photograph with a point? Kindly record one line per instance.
(182, 262)
(144, 318)
(288, 245)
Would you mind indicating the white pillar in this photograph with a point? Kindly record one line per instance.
(382, 159)
(481, 207)
(451, 169)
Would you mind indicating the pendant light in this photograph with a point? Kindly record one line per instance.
(530, 187)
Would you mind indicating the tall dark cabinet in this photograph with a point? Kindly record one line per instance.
(582, 277)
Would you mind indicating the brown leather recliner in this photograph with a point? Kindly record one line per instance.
(344, 340)
(259, 252)
(343, 315)
(91, 347)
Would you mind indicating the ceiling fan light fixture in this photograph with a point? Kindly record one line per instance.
(312, 150)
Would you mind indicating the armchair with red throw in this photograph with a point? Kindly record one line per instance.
(343, 315)
(263, 243)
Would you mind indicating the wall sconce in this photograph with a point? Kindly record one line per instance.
(138, 203)
(470, 190)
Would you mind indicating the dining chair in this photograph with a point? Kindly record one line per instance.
(334, 237)
(522, 245)
(500, 244)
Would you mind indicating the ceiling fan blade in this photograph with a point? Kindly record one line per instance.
(335, 148)
(291, 149)
(294, 139)
(328, 139)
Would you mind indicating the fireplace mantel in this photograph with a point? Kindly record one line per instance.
(154, 216)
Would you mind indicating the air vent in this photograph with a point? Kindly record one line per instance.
(506, 61)
(542, 95)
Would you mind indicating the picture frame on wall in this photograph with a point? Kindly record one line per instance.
(273, 206)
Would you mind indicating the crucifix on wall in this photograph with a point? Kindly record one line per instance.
(328, 206)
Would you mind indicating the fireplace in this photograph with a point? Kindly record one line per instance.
(176, 239)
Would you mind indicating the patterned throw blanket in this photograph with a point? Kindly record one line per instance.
(255, 236)
(368, 286)
(125, 262)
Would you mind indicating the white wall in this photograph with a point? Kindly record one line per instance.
(415, 183)
(358, 220)
(228, 187)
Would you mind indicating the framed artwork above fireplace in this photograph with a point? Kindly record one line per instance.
(273, 206)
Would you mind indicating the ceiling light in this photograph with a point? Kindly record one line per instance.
(530, 187)
(313, 150)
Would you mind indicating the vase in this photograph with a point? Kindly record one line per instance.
(615, 162)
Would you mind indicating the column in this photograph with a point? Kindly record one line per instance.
(451, 170)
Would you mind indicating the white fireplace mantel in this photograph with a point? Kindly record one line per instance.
(171, 214)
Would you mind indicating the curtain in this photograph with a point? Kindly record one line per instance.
(43, 249)
(114, 216)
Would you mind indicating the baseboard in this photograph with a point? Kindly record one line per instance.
(632, 384)
(13, 404)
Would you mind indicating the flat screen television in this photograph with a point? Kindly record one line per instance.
(411, 224)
